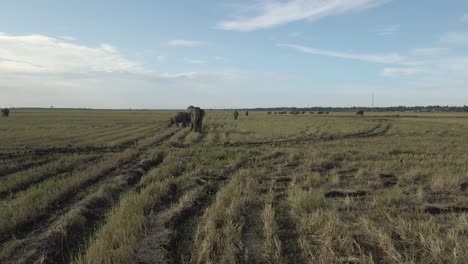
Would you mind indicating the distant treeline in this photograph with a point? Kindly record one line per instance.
(432, 108)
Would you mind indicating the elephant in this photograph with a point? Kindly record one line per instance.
(235, 114)
(180, 117)
(268, 113)
(5, 112)
(246, 113)
(197, 116)
(360, 113)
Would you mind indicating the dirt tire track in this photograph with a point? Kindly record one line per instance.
(378, 130)
(170, 239)
(288, 234)
(173, 234)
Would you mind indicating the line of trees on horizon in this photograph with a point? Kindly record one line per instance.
(431, 108)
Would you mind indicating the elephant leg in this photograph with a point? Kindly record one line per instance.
(200, 126)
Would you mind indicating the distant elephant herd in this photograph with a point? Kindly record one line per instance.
(5, 112)
(193, 116)
(296, 113)
(359, 113)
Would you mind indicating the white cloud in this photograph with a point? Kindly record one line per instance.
(389, 58)
(429, 52)
(464, 18)
(401, 72)
(42, 54)
(389, 30)
(37, 70)
(194, 61)
(455, 38)
(186, 43)
(161, 58)
(274, 13)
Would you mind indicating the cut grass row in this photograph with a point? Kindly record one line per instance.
(36, 201)
(73, 227)
(108, 246)
(21, 180)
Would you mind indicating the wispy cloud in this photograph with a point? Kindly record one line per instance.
(186, 43)
(464, 18)
(389, 30)
(389, 58)
(401, 72)
(42, 54)
(52, 71)
(274, 13)
(194, 61)
(455, 38)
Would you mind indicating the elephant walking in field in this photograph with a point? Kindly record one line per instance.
(197, 115)
(5, 112)
(360, 113)
(235, 114)
(180, 117)
(246, 113)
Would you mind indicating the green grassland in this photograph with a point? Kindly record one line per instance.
(103, 186)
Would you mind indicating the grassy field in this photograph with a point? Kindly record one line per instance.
(122, 187)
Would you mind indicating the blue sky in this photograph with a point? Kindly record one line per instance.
(232, 54)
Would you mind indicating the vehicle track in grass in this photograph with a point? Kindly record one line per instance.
(379, 130)
(169, 234)
(169, 238)
(288, 234)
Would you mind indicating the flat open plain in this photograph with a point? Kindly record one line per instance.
(89, 186)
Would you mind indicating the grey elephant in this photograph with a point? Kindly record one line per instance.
(180, 117)
(235, 114)
(360, 113)
(197, 114)
(5, 112)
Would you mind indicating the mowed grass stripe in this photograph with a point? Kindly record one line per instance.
(122, 238)
(41, 200)
(22, 180)
(107, 138)
(74, 226)
(12, 167)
